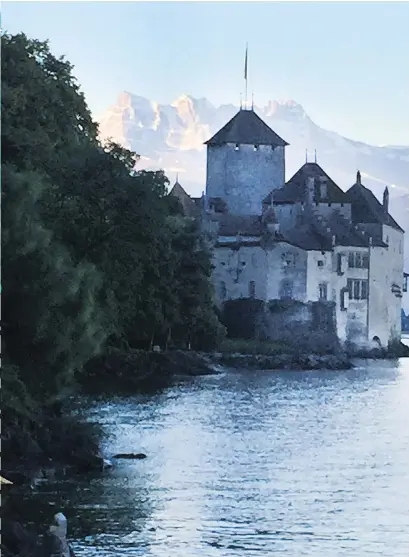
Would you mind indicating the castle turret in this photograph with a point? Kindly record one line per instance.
(245, 161)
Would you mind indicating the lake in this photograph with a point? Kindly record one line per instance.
(247, 464)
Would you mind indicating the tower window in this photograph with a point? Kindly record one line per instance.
(237, 147)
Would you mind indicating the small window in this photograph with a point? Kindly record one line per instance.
(405, 282)
(358, 289)
(237, 147)
(320, 263)
(223, 291)
(323, 291)
(256, 147)
(358, 260)
(339, 263)
(329, 204)
(343, 299)
(387, 240)
(349, 287)
(252, 289)
(364, 289)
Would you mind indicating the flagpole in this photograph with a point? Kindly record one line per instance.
(245, 77)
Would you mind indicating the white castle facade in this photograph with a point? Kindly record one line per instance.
(304, 239)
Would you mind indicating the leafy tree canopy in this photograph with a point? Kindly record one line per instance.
(93, 252)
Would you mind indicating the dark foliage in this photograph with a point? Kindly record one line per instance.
(94, 253)
(240, 317)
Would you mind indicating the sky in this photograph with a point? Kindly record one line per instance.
(346, 63)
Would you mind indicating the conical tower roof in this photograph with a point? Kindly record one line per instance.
(247, 128)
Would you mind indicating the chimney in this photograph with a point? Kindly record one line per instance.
(386, 200)
(310, 183)
(358, 178)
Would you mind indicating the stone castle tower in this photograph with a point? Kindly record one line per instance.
(245, 162)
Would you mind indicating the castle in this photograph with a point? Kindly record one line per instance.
(304, 239)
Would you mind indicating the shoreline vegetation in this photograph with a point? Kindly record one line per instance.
(100, 267)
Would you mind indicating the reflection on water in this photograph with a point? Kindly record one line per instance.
(249, 464)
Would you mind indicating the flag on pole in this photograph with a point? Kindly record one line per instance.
(245, 64)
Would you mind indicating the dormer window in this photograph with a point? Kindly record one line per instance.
(237, 147)
(255, 147)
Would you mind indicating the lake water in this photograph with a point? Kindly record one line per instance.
(249, 464)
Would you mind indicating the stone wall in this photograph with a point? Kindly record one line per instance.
(243, 177)
(286, 272)
(306, 327)
(235, 269)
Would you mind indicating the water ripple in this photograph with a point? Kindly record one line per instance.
(249, 464)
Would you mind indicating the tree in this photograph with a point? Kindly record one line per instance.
(53, 309)
(94, 252)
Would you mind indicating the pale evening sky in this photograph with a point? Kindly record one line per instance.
(345, 62)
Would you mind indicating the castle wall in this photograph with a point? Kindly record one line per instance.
(243, 177)
(286, 272)
(235, 269)
(386, 278)
(328, 276)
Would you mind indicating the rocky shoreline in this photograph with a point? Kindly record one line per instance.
(285, 361)
(133, 371)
